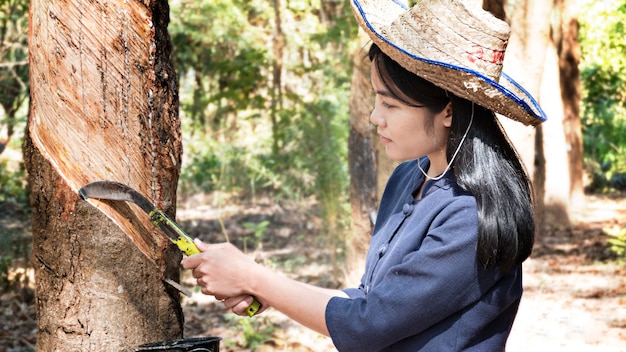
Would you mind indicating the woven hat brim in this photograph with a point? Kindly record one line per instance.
(505, 97)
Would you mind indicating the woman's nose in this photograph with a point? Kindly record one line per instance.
(376, 119)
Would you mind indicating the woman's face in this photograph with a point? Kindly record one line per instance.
(407, 131)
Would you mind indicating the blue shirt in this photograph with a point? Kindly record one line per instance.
(423, 288)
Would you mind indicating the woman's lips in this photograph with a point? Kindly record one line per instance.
(383, 139)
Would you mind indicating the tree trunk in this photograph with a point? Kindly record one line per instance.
(547, 67)
(552, 177)
(368, 162)
(362, 165)
(569, 58)
(104, 106)
(496, 7)
(278, 48)
(525, 62)
(561, 137)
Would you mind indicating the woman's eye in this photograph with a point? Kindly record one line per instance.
(386, 105)
(385, 102)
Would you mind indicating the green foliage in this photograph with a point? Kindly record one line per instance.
(14, 80)
(617, 240)
(264, 95)
(14, 185)
(14, 188)
(14, 211)
(258, 231)
(14, 208)
(234, 167)
(254, 331)
(220, 49)
(603, 74)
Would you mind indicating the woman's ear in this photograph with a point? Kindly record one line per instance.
(447, 115)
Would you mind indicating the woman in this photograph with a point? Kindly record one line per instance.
(443, 272)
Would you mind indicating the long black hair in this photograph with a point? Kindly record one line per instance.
(486, 165)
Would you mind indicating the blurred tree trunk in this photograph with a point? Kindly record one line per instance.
(544, 60)
(569, 57)
(496, 7)
(368, 162)
(525, 62)
(362, 164)
(562, 133)
(104, 106)
(278, 48)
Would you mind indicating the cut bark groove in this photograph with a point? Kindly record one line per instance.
(91, 62)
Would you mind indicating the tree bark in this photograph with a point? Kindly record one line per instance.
(368, 163)
(104, 106)
(362, 166)
(552, 178)
(545, 63)
(496, 7)
(569, 58)
(562, 149)
(525, 62)
(278, 49)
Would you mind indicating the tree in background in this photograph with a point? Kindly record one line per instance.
(364, 154)
(549, 153)
(264, 91)
(568, 48)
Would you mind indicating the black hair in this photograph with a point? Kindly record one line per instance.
(403, 85)
(486, 166)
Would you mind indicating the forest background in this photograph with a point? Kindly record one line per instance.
(264, 103)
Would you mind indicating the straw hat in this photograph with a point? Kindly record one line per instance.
(452, 44)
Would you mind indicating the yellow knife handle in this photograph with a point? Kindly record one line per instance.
(174, 232)
(253, 307)
(185, 243)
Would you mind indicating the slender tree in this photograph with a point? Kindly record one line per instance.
(544, 58)
(568, 49)
(363, 165)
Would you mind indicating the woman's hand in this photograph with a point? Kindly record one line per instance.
(240, 304)
(221, 270)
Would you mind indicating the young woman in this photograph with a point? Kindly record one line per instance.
(455, 223)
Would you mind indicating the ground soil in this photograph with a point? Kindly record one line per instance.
(575, 289)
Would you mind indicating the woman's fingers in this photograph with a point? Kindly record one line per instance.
(221, 269)
(240, 304)
(231, 302)
(201, 245)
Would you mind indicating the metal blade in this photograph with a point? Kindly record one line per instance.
(111, 190)
(180, 288)
(115, 191)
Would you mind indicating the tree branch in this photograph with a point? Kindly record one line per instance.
(13, 64)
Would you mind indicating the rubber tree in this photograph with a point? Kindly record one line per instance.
(104, 105)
